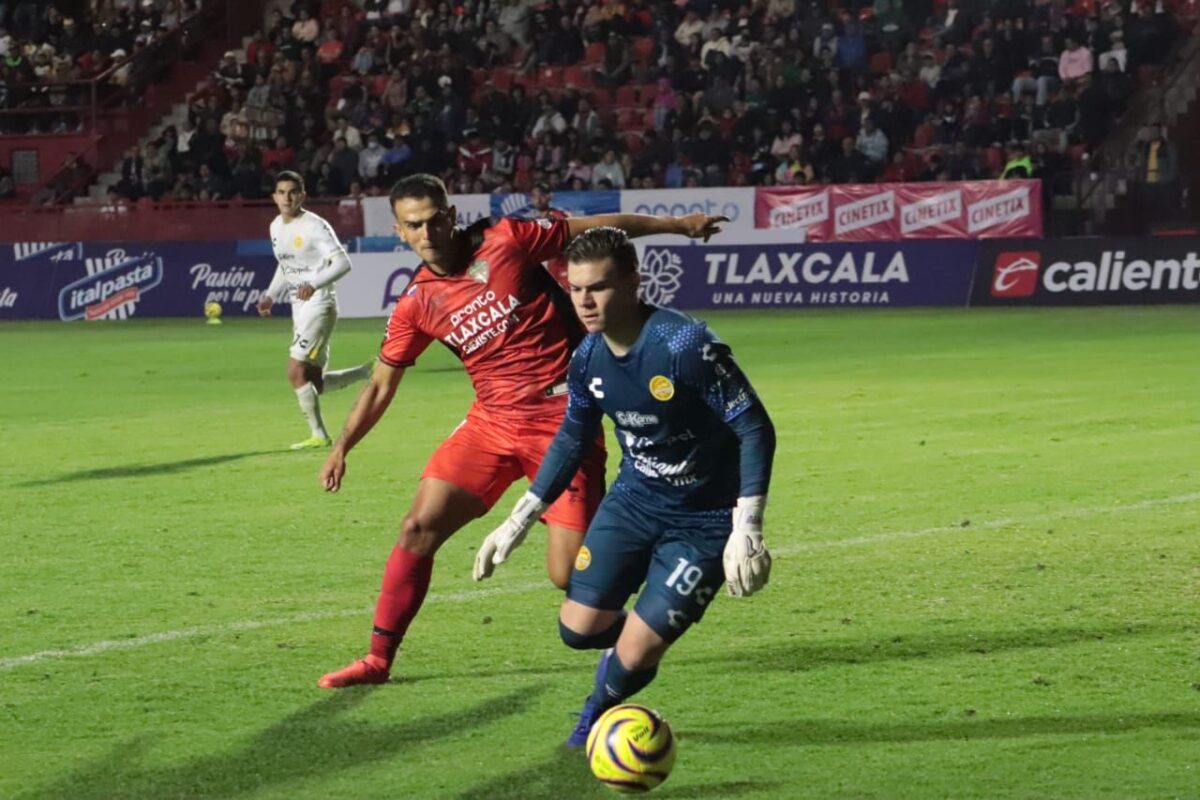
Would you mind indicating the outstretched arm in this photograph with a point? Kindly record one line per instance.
(368, 409)
(693, 226)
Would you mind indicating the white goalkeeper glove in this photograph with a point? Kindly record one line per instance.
(746, 560)
(499, 544)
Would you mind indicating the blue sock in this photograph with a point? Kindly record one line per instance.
(621, 683)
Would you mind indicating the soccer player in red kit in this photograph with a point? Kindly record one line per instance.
(540, 208)
(483, 293)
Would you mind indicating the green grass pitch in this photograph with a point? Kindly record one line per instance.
(987, 580)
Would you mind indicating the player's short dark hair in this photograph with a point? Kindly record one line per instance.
(598, 244)
(421, 186)
(542, 187)
(288, 176)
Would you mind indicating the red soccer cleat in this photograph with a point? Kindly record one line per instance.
(365, 671)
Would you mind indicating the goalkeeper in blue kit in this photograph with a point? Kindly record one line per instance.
(685, 512)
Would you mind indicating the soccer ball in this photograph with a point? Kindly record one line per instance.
(212, 312)
(631, 749)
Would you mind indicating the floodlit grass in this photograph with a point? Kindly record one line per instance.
(986, 527)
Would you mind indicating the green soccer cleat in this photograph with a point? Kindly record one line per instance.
(312, 443)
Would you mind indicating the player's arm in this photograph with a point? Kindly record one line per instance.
(693, 226)
(336, 264)
(271, 296)
(711, 371)
(404, 341)
(368, 409)
(563, 459)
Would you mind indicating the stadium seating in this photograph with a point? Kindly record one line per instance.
(915, 76)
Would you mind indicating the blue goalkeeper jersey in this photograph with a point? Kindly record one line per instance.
(677, 399)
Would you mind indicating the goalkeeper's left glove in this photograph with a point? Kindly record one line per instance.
(500, 543)
(746, 560)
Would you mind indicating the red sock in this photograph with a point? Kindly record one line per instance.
(405, 582)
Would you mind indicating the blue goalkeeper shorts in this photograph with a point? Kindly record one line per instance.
(676, 555)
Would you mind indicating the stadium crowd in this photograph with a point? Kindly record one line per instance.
(498, 95)
(44, 47)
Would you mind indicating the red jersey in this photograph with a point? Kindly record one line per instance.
(557, 267)
(503, 317)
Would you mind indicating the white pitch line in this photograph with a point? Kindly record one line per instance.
(105, 646)
(889, 536)
(232, 627)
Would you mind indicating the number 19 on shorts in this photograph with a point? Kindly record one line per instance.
(685, 578)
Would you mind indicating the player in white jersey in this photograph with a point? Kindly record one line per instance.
(311, 260)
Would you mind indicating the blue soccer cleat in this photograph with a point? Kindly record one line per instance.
(591, 709)
(587, 718)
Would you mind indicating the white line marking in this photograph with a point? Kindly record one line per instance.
(96, 648)
(1069, 513)
(232, 627)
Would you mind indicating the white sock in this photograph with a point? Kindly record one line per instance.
(310, 406)
(337, 379)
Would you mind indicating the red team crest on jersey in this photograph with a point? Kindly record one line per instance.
(499, 316)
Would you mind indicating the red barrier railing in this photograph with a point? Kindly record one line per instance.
(183, 222)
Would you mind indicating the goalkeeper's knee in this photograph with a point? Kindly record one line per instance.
(592, 641)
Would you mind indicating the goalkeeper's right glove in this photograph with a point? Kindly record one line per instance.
(499, 544)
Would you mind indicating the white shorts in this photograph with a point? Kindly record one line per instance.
(312, 328)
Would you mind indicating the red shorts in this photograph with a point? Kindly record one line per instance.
(487, 454)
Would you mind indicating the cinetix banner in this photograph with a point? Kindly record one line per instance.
(74, 281)
(881, 275)
(1093, 271)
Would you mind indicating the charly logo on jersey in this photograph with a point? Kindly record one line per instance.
(661, 388)
(112, 288)
(479, 271)
(661, 273)
(55, 251)
(583, 559)
(635, 419)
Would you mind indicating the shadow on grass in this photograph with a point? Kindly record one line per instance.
(836, 732)
(562, 776)
(314, 741)
(143, 470)
(565, 776)
(801, 654)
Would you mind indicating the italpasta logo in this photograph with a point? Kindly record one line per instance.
(116, 287)
(661, 272)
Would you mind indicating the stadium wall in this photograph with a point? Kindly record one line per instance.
(863, 213)
(73, 281)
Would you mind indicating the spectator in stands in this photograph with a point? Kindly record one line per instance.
(1043, 73)
(793, 170)
(617, 67)
(850, 166)
(608, 169)
(873, 145)
(1075, 61)
(343, 166)
(549, 119)
(305, 29)
(1116, 52)
(1158, 163)
(279, 156)
(132, 183)
(1019, 164)
(1117, 87)
(515, 20)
